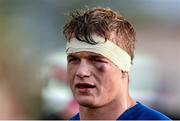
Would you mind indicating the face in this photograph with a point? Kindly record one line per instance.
(94, 80)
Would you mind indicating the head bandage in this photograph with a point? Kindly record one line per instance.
(106, 48)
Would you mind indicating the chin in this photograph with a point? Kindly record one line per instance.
(87, 103)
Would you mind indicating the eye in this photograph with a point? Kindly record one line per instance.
(99, 60)
(72, 59)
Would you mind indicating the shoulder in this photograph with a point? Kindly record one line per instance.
(75, 117)
(144, 112)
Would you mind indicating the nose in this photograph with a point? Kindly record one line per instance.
(83, 69)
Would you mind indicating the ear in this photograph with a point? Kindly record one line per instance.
(125, 75)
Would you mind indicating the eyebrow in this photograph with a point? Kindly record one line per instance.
(89, 56)
(97, 56)
(71, 55)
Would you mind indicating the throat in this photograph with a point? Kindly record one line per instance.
(99, 113)
(110, 112)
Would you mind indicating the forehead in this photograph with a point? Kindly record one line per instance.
(86, 54)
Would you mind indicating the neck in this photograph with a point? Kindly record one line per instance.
(109, 111)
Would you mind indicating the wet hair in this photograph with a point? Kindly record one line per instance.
(103, 22)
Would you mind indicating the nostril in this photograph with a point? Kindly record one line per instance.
(81, 76)
(83, 73)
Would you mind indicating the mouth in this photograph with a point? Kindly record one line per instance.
(85, 86)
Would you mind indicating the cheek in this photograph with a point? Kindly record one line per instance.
(104, 76)
(70, 70)
(108, 76)
(70, 74)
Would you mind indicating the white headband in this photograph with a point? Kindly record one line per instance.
(106, 48)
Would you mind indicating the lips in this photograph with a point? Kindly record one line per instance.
(84, 85)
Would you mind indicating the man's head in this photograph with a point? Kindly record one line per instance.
(100, 49)
(103, 22)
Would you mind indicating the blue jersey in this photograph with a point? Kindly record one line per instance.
(137, 112)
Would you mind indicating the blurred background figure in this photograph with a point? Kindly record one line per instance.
(31, 35)
(58, 101)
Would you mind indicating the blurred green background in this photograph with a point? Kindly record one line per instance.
(33, 62)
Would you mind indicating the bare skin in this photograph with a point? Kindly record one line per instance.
(98, 85)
